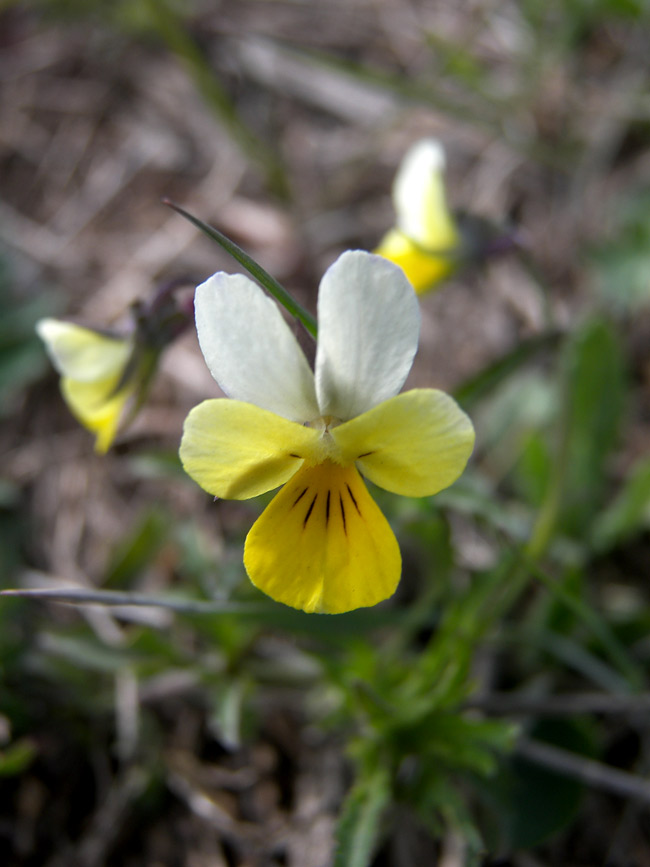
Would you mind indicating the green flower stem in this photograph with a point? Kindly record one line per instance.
(254, 269)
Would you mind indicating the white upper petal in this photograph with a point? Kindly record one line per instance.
(419, 196)
(368, 329)
(250, 349)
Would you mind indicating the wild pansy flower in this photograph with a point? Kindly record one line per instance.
(425, 240)
(105, 377)
(322, 544)
(94, 381)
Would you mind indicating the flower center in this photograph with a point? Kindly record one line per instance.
(326, 448)
(324, 422)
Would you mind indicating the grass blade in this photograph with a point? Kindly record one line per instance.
(254, 269)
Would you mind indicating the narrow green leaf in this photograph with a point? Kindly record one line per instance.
(254, 269)
(482, 384)
(573, 654)
(597, 625)
(359, 824)
(628, 514)
(595, 386)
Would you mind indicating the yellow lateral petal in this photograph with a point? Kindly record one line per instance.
(423, 270)
(236, 450)
(323, 545)
(97, 406)
(414, 444)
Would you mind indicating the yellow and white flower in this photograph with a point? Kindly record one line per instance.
(322, 544)
(425, 241)
(95, 380)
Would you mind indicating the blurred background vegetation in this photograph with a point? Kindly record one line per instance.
(496, 710)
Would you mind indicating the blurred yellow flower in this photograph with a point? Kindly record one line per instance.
(425, 240)
(99, 376)
(322, 544)
(105, 377)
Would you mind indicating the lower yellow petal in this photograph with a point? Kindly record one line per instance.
(323, 545)
(423, 270)
(414, 444)
(98, 406)
(236, 450)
